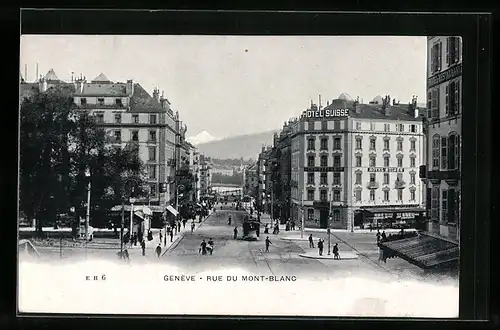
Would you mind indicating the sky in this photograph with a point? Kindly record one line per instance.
(234, 85)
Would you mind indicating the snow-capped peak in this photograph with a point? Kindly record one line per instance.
(203, 137)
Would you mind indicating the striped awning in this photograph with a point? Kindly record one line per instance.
(424, 251)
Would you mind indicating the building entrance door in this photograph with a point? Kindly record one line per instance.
(323, 218)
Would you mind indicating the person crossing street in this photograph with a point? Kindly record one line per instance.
(268, 242)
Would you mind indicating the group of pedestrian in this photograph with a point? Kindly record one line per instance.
(290, 225)
(321, 244)
(381, 237)
(206, 247)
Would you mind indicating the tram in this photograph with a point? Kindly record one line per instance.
(251, 228)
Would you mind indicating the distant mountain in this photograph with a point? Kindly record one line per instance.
(203, 137)
(246, 146)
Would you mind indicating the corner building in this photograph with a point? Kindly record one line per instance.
(365, 162)
(443, 131)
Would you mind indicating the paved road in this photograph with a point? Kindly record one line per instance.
(282, 259)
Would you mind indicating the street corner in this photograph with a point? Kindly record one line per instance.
(294, 238)
(343, 256)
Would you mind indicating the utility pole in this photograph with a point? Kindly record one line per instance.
(328, 229)
(122, 226)
(302, 216)
(87, 218)
(258, 189)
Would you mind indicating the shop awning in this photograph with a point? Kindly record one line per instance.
(140, 214)
(172, 210)
(146, 209)
(424, 251)
(394, 210)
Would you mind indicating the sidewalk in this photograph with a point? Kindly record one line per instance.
(151, 245)
(345, 255)
(360, 231)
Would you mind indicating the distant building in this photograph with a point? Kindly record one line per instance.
(205, 176)
(251, 180)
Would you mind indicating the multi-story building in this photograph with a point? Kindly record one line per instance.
(282, 143)
(205, 176)
(361, 158)
(130, 115)
(443, 132)
(195, 169)
(251, 180)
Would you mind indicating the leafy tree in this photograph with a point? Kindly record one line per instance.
(58, 144)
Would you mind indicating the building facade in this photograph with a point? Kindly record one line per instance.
(361, 158)
(205, 176)
(443, 132)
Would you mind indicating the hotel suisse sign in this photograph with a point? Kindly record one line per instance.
(323, 169)
(449, 74)
(327, 113)
(385, 169)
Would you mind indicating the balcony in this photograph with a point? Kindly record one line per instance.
(399, 184)
(373, 185)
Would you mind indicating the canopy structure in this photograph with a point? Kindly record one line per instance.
(394, 210)
(148, 210)
(423, 251)
(172, 210)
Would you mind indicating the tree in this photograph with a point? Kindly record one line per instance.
(58, 144)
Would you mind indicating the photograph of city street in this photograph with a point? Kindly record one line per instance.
(240, 175)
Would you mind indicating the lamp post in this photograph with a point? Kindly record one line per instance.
(87, 218)
(302, 216)
(328, 229)
(132, 201)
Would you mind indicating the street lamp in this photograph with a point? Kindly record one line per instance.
(87, 218)
(302, 216)
(132, 201)
(329, 220)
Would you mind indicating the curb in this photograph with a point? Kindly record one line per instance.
(303, 255)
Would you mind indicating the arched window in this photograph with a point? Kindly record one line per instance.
(435, 151)
(453, 151)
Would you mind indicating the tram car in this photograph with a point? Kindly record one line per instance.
(251, 228)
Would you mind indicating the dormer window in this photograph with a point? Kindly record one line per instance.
(118, 102)
(100, 101)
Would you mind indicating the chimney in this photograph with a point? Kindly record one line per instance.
(156, 94)
(319, 104)
(42, 85)
(327, 103)
(130, 87)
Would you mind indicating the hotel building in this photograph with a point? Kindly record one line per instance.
(443, 132)
(363, 158)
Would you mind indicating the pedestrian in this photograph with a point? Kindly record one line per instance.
(384, 237)
(311, 242)
(293, 225)
(287, 226)
(378, 235)
(161, 235)
(320, 246)
(336, 254)
(229, 220)
(266, 229)
(158, 250)
(143, 246)
(210, 246)
(184, 223)
(179, 226)
(171, 235)
(192, 227)
(268, 242)
(203, 247)
(235, 231)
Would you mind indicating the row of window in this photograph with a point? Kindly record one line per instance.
(357, 195)
(373, 144)
(100, 101)
(452, 53)
(134, 136)
(452, 100)
(373, 178)
(450, 205)
(311, 161)
(373, 160)
(358, 125)
(446, 152)
(99, 117)
(323, 178)
(311, 143)
(412, 128)
(335, 197)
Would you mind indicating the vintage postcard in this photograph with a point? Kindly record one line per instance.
(240, 175)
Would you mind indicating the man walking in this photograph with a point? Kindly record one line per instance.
(203, 247)
(311, 242)
(235, 232)
(268, 242)
(171, 235)
(336, 254)
(192, 227)
(184, 223)
(161, 235)
(143, 246)
(158, 250)
(210, 246)
(320, 246)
